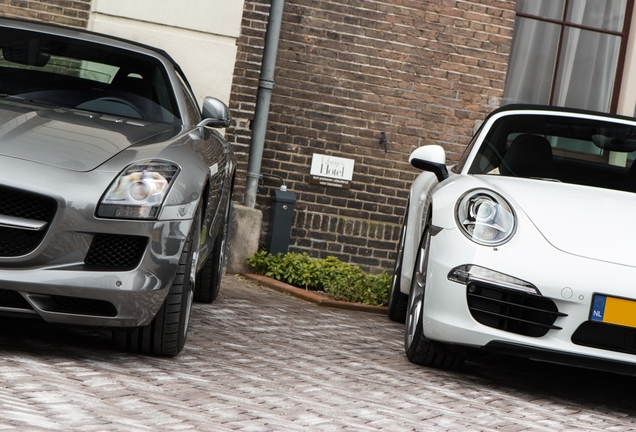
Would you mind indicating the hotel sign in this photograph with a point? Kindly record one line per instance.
(331, 171)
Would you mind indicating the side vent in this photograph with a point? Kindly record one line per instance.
(512, 311)
(116, 251)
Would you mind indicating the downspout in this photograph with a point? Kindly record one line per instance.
(261, 113)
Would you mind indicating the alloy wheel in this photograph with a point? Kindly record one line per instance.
(418, 286)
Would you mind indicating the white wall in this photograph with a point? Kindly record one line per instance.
(200, 35)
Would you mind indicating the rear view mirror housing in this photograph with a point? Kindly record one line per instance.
(430, 158)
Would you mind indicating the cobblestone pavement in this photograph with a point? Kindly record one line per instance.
(258, 360)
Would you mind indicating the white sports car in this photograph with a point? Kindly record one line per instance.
(525, 247)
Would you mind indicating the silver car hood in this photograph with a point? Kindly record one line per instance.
(585, 221)
(69, 139)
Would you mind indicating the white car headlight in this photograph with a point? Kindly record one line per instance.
(139, 191)
(485, 217)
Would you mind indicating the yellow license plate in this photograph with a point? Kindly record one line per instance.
(614, 310)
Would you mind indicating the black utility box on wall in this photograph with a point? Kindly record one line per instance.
(280, 221)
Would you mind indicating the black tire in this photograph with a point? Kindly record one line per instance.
(398, 301)
(208, 283)
(419, 349)
(166, 334)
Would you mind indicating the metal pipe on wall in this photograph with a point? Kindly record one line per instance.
(261, 113)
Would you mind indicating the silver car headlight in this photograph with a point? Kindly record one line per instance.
(139, 191)
(485, 217)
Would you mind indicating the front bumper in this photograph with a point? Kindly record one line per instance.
(67, 290)
(567, 280)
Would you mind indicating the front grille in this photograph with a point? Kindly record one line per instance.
(13, 299)
(16, 242)
(109, 250)
(512, 311)
(26, 205)
(606, 336)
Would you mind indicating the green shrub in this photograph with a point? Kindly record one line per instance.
(340, 280)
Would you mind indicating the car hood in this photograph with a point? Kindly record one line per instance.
(69, 139)
(589, 222)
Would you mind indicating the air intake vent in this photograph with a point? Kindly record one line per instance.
(606, 336)
(73, 305)
(82, 306)
(108, 250)
(18, 204)
(512, 311)
(13, 300)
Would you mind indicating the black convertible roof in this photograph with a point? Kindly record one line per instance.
(549, 108)
(82, 34)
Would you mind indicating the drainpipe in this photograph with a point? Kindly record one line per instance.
(265, 86)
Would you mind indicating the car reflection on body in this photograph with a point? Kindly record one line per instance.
(525, 246)
(115, 187)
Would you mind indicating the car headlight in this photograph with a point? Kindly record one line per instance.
(139, 191)
(485, 217)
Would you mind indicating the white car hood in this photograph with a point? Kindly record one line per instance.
(589, 222)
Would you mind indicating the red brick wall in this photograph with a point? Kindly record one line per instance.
(73, 13)
(421, 71)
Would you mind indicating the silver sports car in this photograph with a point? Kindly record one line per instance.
(114, 188)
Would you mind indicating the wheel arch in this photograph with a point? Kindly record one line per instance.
(419, 209)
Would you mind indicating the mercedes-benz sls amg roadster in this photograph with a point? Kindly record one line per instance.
(114, 186)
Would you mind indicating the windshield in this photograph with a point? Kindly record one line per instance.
(42, 68)
(580, 150)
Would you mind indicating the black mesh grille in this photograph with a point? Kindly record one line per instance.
(512, 311)
(25, 205)
(13, 299)
(115, 250)
(16, 242)
(81, 306)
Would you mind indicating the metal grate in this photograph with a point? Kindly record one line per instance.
(16, 242)
(115, 250)
(13, 299)
(81, 306)
(512, 311)
(26, 205)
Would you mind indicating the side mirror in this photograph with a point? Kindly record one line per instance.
(430, 158)
(215, 113)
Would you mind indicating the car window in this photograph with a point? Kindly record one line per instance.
(42, 68)
(579, 150)
(190, 102)
(90, 70)
(469, 148)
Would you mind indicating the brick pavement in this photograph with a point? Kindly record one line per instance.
(259, 360)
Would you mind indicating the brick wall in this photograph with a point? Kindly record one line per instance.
(421, 71)
(72, 13)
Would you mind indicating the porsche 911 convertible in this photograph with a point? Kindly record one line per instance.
(526, 245)
(115, 187)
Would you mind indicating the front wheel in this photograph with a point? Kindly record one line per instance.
(167, 333)
(209, 278)
(419, 349)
